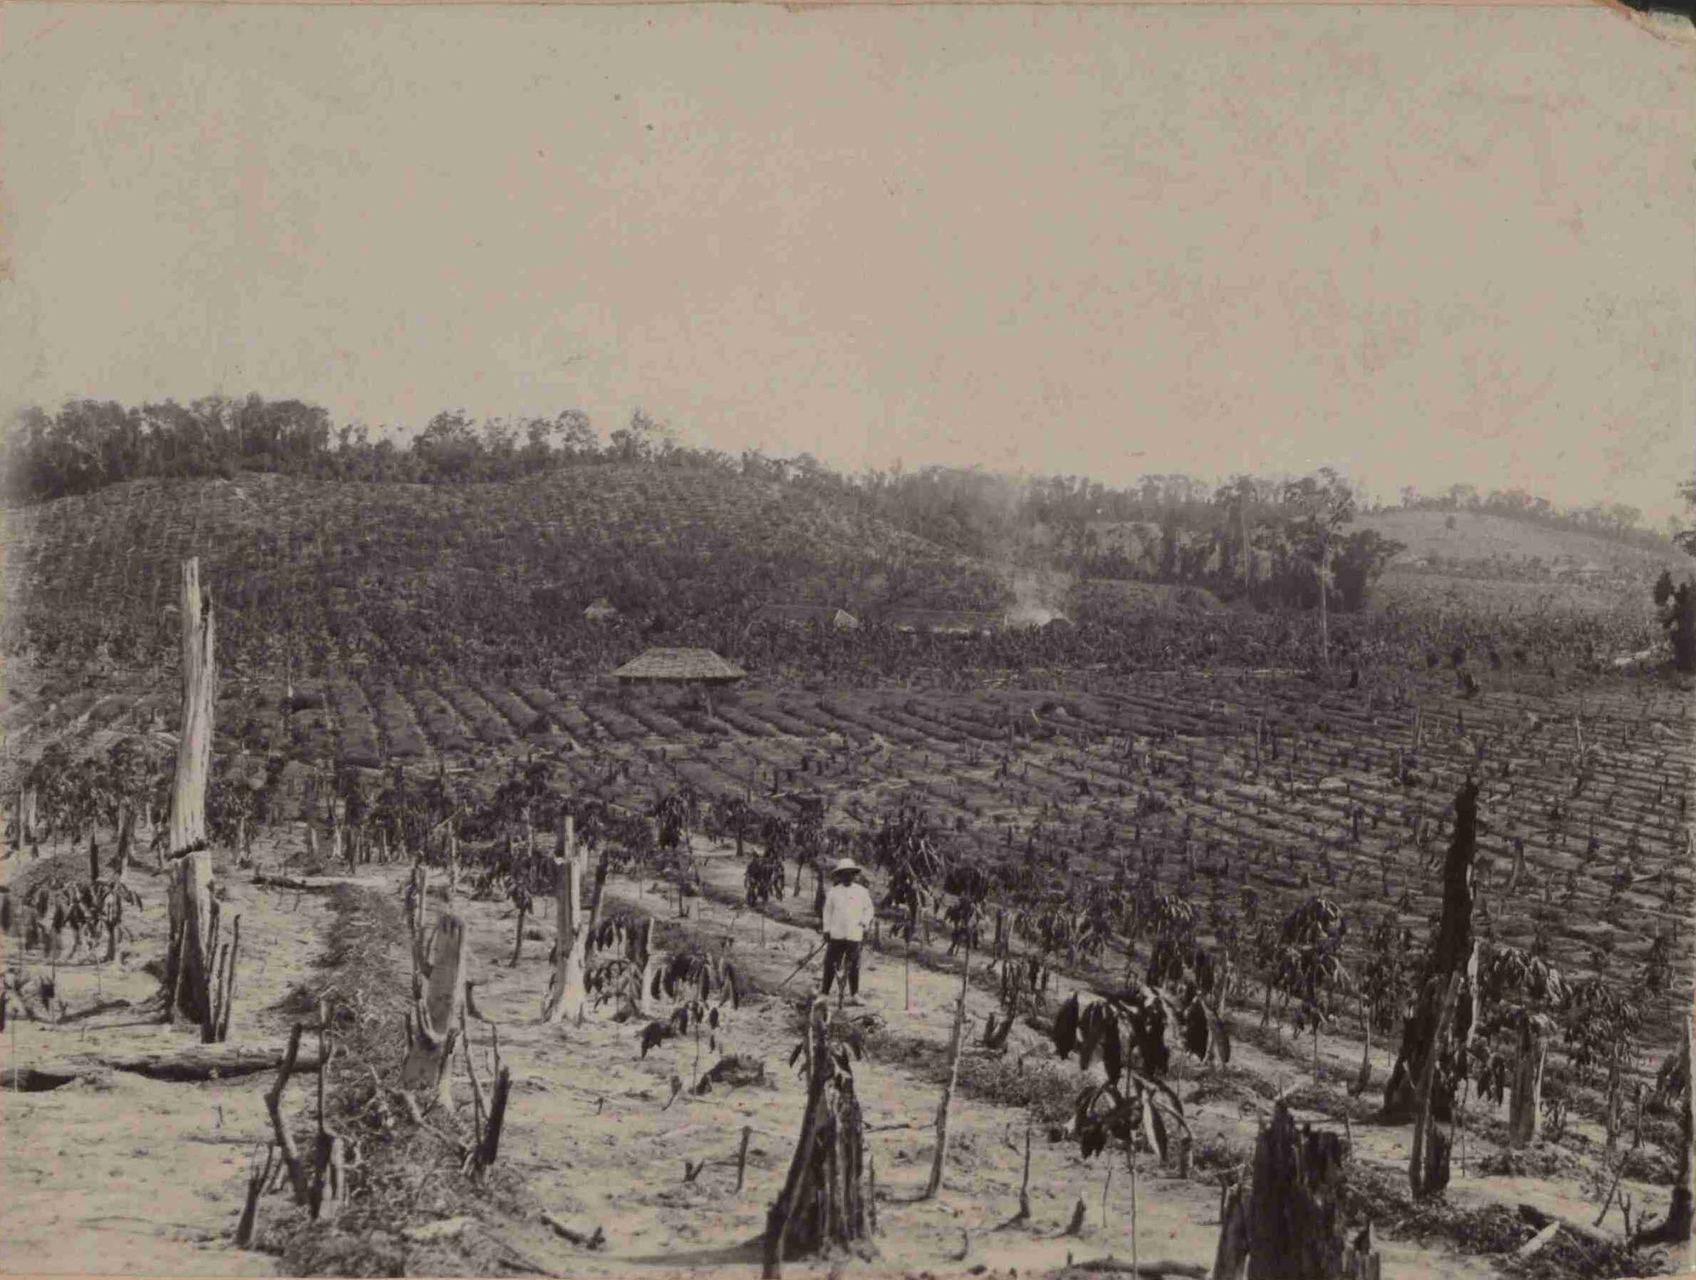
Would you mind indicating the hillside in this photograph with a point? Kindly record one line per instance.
(345, 562)
(407, 678)
(1479, 538)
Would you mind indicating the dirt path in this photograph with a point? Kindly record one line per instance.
(590, 1121)
(593, 1119)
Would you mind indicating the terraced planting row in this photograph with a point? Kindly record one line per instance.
(1276, 784)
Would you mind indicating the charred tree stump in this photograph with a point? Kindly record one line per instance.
(1428, 1169)
(822, 1205)
(647, 962)
(1436, 1148)
(221, 986)
(188, 959)
(329, 1178)
(26, 816)
(1679, 1226)
(597, 890)
(1294, 1223)
(126, 842)
(433, 1023)
(1231, 1258)
(1527, 1100)
(417, 898)
(258, 1178)
(1424, 1034)
(489, 1143)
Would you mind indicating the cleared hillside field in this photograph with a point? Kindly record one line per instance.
(414, 574)
(1483, 536)
(1198, 764)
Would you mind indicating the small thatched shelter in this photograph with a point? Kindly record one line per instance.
(802, 615)
(600, 611)
(679, 666)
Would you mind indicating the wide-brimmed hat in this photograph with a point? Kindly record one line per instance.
(844, 864)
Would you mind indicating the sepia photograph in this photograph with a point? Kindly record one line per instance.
(931, 641)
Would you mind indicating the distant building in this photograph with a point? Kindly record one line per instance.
(801, 615)
(679, 666)
(944, 622)
(1588, 571)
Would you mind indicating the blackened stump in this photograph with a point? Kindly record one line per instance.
(823, 1204)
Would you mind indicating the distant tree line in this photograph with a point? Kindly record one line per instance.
(89, 444)
(1239, 538)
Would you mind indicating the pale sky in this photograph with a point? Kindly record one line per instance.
(1420, 244)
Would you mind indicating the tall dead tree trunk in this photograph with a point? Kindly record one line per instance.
(433, 1023)
(188, 961)
(566, 996)
(1423, 1034)
(823, 1202)
(194, 746)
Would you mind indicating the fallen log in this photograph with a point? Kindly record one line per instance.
(592, 1240)
(202, 1062)
(1534, 1246)
(317, 884)
(1155, 1270)
(95, 1010)
(442, 1229)
(1543, 1220)
(35, 1080)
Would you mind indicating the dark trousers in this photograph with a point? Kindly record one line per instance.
(844, 956)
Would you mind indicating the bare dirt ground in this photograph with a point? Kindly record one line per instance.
(115, 1172)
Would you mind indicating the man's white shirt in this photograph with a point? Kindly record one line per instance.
(848, 910)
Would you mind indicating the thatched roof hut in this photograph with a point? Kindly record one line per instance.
(600, 611)
(679, 666)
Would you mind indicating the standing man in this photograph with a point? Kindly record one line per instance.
(848, 910)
